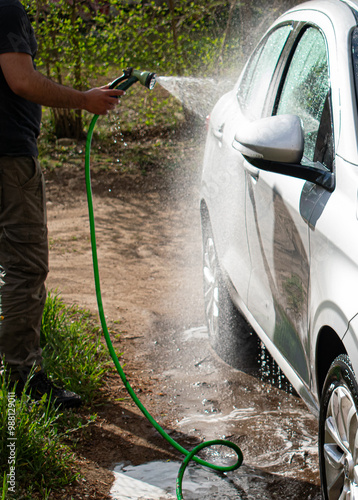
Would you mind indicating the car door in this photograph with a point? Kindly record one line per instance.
(279, 208)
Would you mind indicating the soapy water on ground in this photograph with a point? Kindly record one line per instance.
(156, 480)
(272, 427)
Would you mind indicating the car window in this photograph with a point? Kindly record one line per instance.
(258, 74)
(306, 93)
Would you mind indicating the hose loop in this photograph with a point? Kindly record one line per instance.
(219, 468)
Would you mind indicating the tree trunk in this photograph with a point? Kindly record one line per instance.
(68, 122)
(175, 35)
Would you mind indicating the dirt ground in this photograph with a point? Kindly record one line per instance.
(149, 248)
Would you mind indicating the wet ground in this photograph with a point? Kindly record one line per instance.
(277, 434)
(150, 267)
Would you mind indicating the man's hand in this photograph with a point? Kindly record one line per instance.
(28, 83)
(101, 100)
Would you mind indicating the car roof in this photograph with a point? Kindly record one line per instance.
(328, 6)
(353, 4)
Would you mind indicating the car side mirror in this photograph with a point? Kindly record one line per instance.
(276, 138)
(276, 144)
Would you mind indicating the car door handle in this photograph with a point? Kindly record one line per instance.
(252, 171)
(219, 132)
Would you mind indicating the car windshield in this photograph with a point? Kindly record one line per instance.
(258, 74)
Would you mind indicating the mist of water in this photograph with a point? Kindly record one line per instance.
(197, 95)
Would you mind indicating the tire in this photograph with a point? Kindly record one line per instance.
(338, 432)
(229, 333)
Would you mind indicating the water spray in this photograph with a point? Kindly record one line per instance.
(129, 77)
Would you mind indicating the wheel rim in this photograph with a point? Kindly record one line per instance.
(211, 288)
(341, 446)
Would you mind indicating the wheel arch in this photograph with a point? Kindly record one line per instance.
(328, 347)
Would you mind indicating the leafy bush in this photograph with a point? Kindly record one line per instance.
(79, 41)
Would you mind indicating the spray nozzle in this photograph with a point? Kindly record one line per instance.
(145, 78)
(131, 76)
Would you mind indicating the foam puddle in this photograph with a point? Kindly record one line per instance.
(156, 481)
(129, 488)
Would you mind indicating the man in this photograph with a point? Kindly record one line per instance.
(23, 225)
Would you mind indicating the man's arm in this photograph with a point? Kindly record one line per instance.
(28, 83)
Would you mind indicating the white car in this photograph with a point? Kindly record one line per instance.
(279, 209)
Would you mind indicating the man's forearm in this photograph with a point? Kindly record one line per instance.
(41, 90)
(28, 83)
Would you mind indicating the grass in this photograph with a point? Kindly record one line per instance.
(44, 460)
(40, 460)
(73, 352)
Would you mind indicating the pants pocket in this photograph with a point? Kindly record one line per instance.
(33, 196)
(24, 251)
(23, 192)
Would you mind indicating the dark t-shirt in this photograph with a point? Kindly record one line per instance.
(19, 119)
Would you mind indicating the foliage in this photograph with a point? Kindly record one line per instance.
(72, 39)
(173, 37)
(40, 460)
(78, 41)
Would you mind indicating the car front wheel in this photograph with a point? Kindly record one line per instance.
(338, 432)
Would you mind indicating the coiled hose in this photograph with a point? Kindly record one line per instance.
(188, 455)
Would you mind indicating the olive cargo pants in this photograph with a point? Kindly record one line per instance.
(23, 260)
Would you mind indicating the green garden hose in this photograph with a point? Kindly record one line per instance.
(188, 455)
